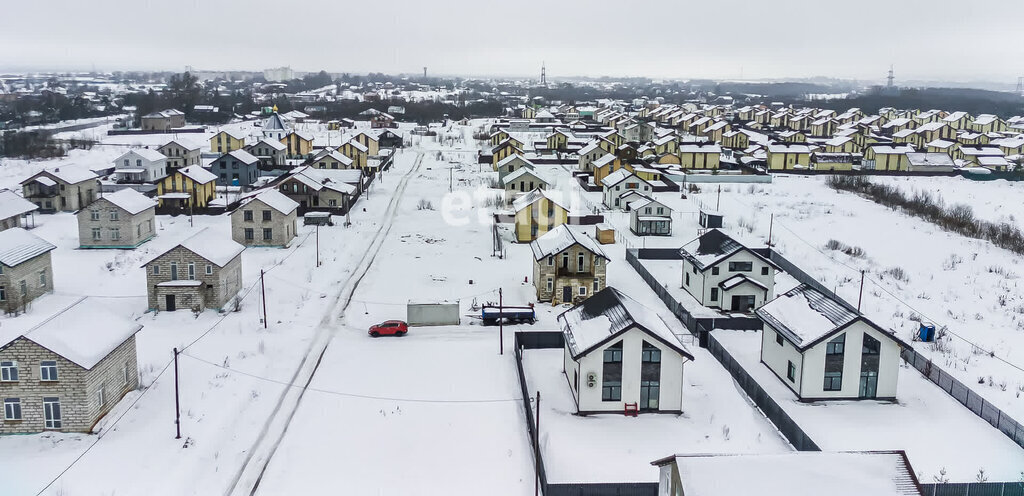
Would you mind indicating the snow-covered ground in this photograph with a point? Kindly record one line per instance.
(937, 433)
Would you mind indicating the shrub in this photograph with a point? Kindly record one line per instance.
(424, 204)
(853, 251)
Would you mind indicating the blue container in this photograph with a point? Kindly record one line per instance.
(927, 332)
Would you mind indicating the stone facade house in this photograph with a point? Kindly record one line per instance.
(271, 153)
(236, 168)
(164, 120)
(331, 159)
(267, 218)
(124, 219)
(13, 208)
(567, 267)
(26, 271)
(180, 154)
(204, 271)
(620, 356)
(62, 189)
(66, 372)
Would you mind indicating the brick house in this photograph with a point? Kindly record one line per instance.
(26, 271)
(163, 120)
(267, 218)
(204, 271)
(321, 188)
(66, 372)
(124, 219)
(180, 154)
(66, 189)
(567, 267)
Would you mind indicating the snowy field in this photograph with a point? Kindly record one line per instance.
(936, 432)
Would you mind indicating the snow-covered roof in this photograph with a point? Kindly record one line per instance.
(617, 177)
(880, 473)
(700, 148)
(607, 314)
(887, 149)
(274, 123)
(788, 148)
(130, 200)
(738, 279)
(216, 247)
(930, 159)
(12, 204)
(198, 174)
(522, 171)
(232, 133)
(527, 199)
(559, 239)
(515, 157)
(146, 153)
(243, 156)
(84, 332)
(273, 143)
(18, 245)
(336, 155)
(274, 199)
(69, 175)
(805, 315)
(712, 247)
(603, 160)
(357, 145)
(340, 180)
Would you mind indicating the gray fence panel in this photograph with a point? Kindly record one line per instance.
(606, 489)
(531, 426)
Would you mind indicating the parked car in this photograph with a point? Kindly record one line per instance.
(389, 328)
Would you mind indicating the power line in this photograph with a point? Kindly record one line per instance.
(346, 394)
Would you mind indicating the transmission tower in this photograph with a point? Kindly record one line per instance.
(891, 78)
(543, 74)
(1020, 86)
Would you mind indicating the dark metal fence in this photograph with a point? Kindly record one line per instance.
(533, 340)
(967, 397)
(974, 489)
(603, 489)
(783, 422)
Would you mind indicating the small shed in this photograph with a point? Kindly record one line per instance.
(710, 219)
(438, 313)
(605, 233)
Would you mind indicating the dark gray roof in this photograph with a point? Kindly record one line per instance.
(788, 314)
(711, 247)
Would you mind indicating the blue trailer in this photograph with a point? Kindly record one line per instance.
(492, 314)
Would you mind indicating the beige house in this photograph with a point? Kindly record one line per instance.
(180, 154)
(164, 120)
(65, 373)
(61, 189)
(321, 188)
(266, 218)
(26, 271)
(204, 271)
(124, 219)
(568, 267)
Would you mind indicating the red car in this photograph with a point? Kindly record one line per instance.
(389, 328)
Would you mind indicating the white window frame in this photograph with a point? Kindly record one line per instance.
(583, 291)
(101, 396)
(42, 278)
(551, 284)
(9, 372)
(94, 214)
(113, 214)
(191, 271)
(115, 233)
(52, 421)
(209, 269)
(46, 376)
(97, 234)
(12, 409)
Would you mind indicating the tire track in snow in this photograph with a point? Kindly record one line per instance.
(247, 480)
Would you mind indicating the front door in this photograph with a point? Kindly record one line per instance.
(567, 294)
(169, 300)
(742, 303)
(868, 384)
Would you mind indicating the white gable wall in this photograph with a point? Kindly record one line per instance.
(671, 381)
(701, 283)
(633, 183)
(778, 356)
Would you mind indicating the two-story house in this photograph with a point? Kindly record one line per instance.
(26, 271)
(61, 189)
(190, 187)
(180, 153)
(720, 272)
(203, 271)
(321, 188)
(620, 182)
(649, 217)
(66, 372)
(621, 357)
(227, 141)
(567, 266)
(265, 218)
(236, 168)
(821, 349)
(270, 152)
(538, 212)
(124, 219)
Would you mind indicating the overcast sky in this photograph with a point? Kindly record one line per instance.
(952, 40)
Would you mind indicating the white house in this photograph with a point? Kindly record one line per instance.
(523, 180)
(649, 217)
(622, 181)
(823, 350)
(720, 272)
(140, 165)
(511, 164)
(818, 473)
(621, 356)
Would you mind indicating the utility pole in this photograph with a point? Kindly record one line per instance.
(718, 205)
(177, 403)
(861, 296)
(501, 324)
(771, 224)
(450, 175)
(263, 290)
(318, 245)
(536, 451)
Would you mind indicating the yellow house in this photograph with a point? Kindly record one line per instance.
(1010, 146)
(299, 144)
(557, 140)
(823, 127)
(647, 174)
(988, 123)
(370, 142)
(226, 141)
(669, 159)
(736, 139)
(615, 138)
(793, 137)
(355, 151)
(972, 139)
(958, 120)
(887, 157)
(498, 136)
(788, 157)
(608, 164)
(538, 212)
(700, 155)
(942, 146)
(841, 144)
(505, 149)
(666, 144)
(192, 186)
(529, 112)
(715, 131)
(832, 161)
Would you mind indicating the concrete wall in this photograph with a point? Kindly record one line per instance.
(117, 374)
(216, 288)
(282, 226)
(671, 381)
(433, 314)
(133, 230)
